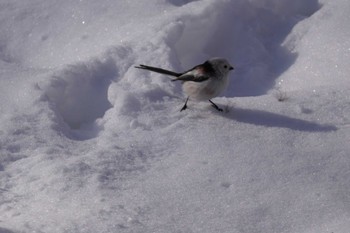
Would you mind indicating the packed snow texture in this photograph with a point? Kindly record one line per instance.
(90, 144)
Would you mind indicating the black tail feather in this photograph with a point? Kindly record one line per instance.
(158, 70)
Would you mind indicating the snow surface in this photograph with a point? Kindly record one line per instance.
(90, 144)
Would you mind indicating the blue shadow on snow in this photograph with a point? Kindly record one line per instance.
(269, 119)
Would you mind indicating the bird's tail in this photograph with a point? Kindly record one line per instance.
(158, 70)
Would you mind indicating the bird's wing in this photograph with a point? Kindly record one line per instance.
(158, 70)
(190, 77)
(196, 74)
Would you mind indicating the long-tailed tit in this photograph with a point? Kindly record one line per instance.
(202, 82)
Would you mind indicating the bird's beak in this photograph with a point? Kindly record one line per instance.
(231, 68)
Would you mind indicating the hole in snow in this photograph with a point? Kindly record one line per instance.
(79, 93)
(3, 230)
(4, 54)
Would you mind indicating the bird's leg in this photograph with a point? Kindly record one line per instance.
(215, 106)
(185, 105)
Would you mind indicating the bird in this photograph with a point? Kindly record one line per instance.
(201, 83)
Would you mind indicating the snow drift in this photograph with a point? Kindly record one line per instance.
(90, 144)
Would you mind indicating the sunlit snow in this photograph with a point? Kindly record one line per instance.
(90, 144)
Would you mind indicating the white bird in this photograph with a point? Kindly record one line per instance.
(202, 82)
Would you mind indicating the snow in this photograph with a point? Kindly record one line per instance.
(88, 143)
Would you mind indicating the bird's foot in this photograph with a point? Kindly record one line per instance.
(215, 106)
(185, 105)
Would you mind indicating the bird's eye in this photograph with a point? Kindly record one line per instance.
(225, 66)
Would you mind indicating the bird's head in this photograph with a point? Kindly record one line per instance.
(221, 65)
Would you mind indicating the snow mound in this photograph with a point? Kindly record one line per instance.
(249, 33)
